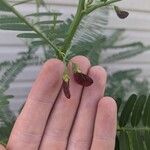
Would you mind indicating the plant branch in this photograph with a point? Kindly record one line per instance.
(81, 12)
(73, 26)
(32, 27)
(94, 7)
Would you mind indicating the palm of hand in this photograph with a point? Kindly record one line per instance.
(50, 121)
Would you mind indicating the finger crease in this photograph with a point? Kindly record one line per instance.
(27, 137)
(97, 138)
(43, 101)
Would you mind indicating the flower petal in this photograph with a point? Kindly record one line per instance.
(83, 79)
(66, 90)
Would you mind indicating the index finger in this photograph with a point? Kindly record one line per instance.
(30, 125)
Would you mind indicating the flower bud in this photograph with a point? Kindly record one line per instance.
(121, 13)
(65, 85)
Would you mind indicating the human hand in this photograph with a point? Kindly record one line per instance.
(50, 121)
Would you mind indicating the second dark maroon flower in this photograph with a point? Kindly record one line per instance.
(82, 79)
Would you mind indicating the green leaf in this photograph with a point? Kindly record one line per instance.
(147, 139)
(127, 110)
(5, 97)
(22, 2)
(112, 39)
(146, 113)
(90, 36)
(91, 27)
(4, 64)
(15, 27)
(124, 141)
(134, 44)
(126, 74)
(49, 22)
(3, 7)
(27, 26)
(15, 68)
(38, 43)
(136, 136)
(125, 54)
(28, 35)
(40, 14)
(137, 140)
(3, 102)
(5, 19)
(137, 110)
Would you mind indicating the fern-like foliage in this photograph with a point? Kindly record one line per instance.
(122, 83)
(7, 118)
(14, 68)
(11, 70)
(94, 45)
(134, 124)
(42, 32)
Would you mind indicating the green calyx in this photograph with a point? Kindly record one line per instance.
(75, 68)
(66, 77)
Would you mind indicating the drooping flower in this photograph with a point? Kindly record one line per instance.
(65, 85)
(121, 13)
(66, 90)
(81, 78)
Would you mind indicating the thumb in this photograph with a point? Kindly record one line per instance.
(2, 147)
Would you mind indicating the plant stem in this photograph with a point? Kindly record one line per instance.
(73, 27)
(32, 27)
(133, 129)
(92, 8)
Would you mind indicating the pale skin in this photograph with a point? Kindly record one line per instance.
(49, 121)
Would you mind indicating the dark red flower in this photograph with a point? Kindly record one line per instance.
(66, 90)
(83, 79)
(121, 13)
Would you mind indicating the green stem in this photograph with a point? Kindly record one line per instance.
(92, 8)
(133, 129)
(32, 27)
(73, 27)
